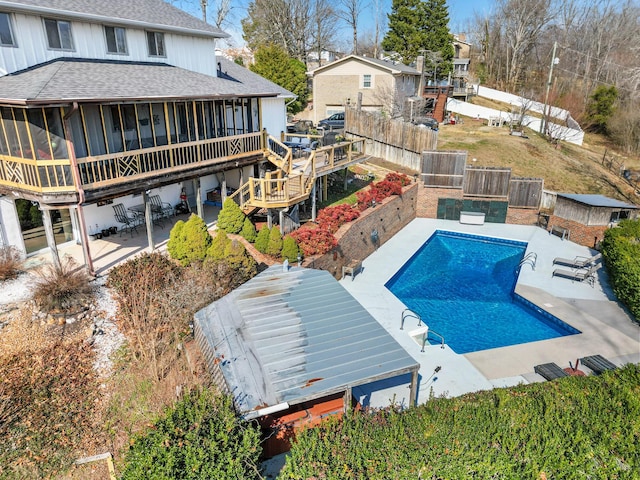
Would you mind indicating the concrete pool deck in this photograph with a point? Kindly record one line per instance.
(607, 329)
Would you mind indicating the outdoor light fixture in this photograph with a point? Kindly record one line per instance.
(299, 259)
(373, 203)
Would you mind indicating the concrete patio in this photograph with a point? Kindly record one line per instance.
(607, 329)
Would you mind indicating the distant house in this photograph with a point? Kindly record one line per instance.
(461, 63)
(383, 84)
(109, 101)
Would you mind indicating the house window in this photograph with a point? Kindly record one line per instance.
(116, 40)
(58, 34)
(155, 42)
(366, 81)
(6, 35)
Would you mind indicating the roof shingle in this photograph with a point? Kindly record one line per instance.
(143, 12)
(83, 80)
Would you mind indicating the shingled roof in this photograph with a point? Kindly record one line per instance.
(141, 13)
(85, 80)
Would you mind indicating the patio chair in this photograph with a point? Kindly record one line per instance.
(598, 364)
(578, 262)
(579, 275)
(550, 371)
(163, 208)
(127, 222)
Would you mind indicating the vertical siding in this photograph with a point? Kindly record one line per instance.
(191, 53)
(273, 115)
(525, 192)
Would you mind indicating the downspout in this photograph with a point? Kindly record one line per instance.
(76, 178)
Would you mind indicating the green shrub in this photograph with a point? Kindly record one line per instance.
(10, 262)
(274, 247)
(290, 249)
(621, 252)
(218, 245)
(189, 241)
(262, 240)
(200, 437)
(64, 288)
(248, 231)
(230, 218)
(573, 428)
(235, 254)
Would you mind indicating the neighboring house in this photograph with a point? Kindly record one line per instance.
(105, 101)
(461, 62)
(384, 85)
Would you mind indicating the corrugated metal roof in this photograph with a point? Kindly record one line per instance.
(140, 13)
(297, 335)
(72, 79)
(597, 200)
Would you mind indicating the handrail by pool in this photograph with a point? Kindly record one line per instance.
(407, 312)
(531, 258)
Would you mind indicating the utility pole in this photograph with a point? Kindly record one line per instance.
(203, 6)
(554, 61)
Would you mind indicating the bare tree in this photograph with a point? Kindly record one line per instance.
(348, 12)
(324, 28)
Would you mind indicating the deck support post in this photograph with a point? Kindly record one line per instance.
(148, 220)
(51, 239)
(313, 202)
(346, 179)
(198, 193)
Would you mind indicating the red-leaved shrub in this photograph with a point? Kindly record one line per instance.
(332, 218)
(314, 241)
(391, 185)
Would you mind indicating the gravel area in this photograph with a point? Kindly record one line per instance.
(104, 334)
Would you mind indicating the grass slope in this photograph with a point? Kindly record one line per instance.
(566, 168)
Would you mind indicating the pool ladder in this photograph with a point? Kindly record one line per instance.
(410, 313)
(530, 258)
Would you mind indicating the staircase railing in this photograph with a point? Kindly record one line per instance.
(288, 185)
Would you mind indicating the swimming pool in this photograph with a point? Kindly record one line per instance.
(462, 286)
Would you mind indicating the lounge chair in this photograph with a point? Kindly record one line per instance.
(550, 371)
(598, 364)
(578, 262)
(579, 275)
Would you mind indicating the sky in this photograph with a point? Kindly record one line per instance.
(460, 13)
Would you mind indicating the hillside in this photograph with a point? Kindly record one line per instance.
(565, 168)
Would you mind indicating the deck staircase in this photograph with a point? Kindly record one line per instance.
(292, 181)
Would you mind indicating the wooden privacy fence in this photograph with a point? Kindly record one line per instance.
(525, 192)
(448, 169)
(444, 168)
(486, 181)
(396, 141)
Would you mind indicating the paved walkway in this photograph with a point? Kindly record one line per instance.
(606, 328)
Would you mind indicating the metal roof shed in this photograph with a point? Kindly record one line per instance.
(290, 336)
(592, 209)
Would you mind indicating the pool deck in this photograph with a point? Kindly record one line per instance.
(607, 329)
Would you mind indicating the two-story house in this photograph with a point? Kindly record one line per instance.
(384, 85)
(104, 102)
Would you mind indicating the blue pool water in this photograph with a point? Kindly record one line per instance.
(462, 287)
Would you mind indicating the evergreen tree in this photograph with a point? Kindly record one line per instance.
(236, 255)
(273, 63)
(230, 218)
(290, 249)
(248, 231)
(262, 240)
(218, 246)
(275, 242)
(420, 27)
(601, 108)
(189, 241)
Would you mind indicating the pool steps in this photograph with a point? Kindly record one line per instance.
(422, 330)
